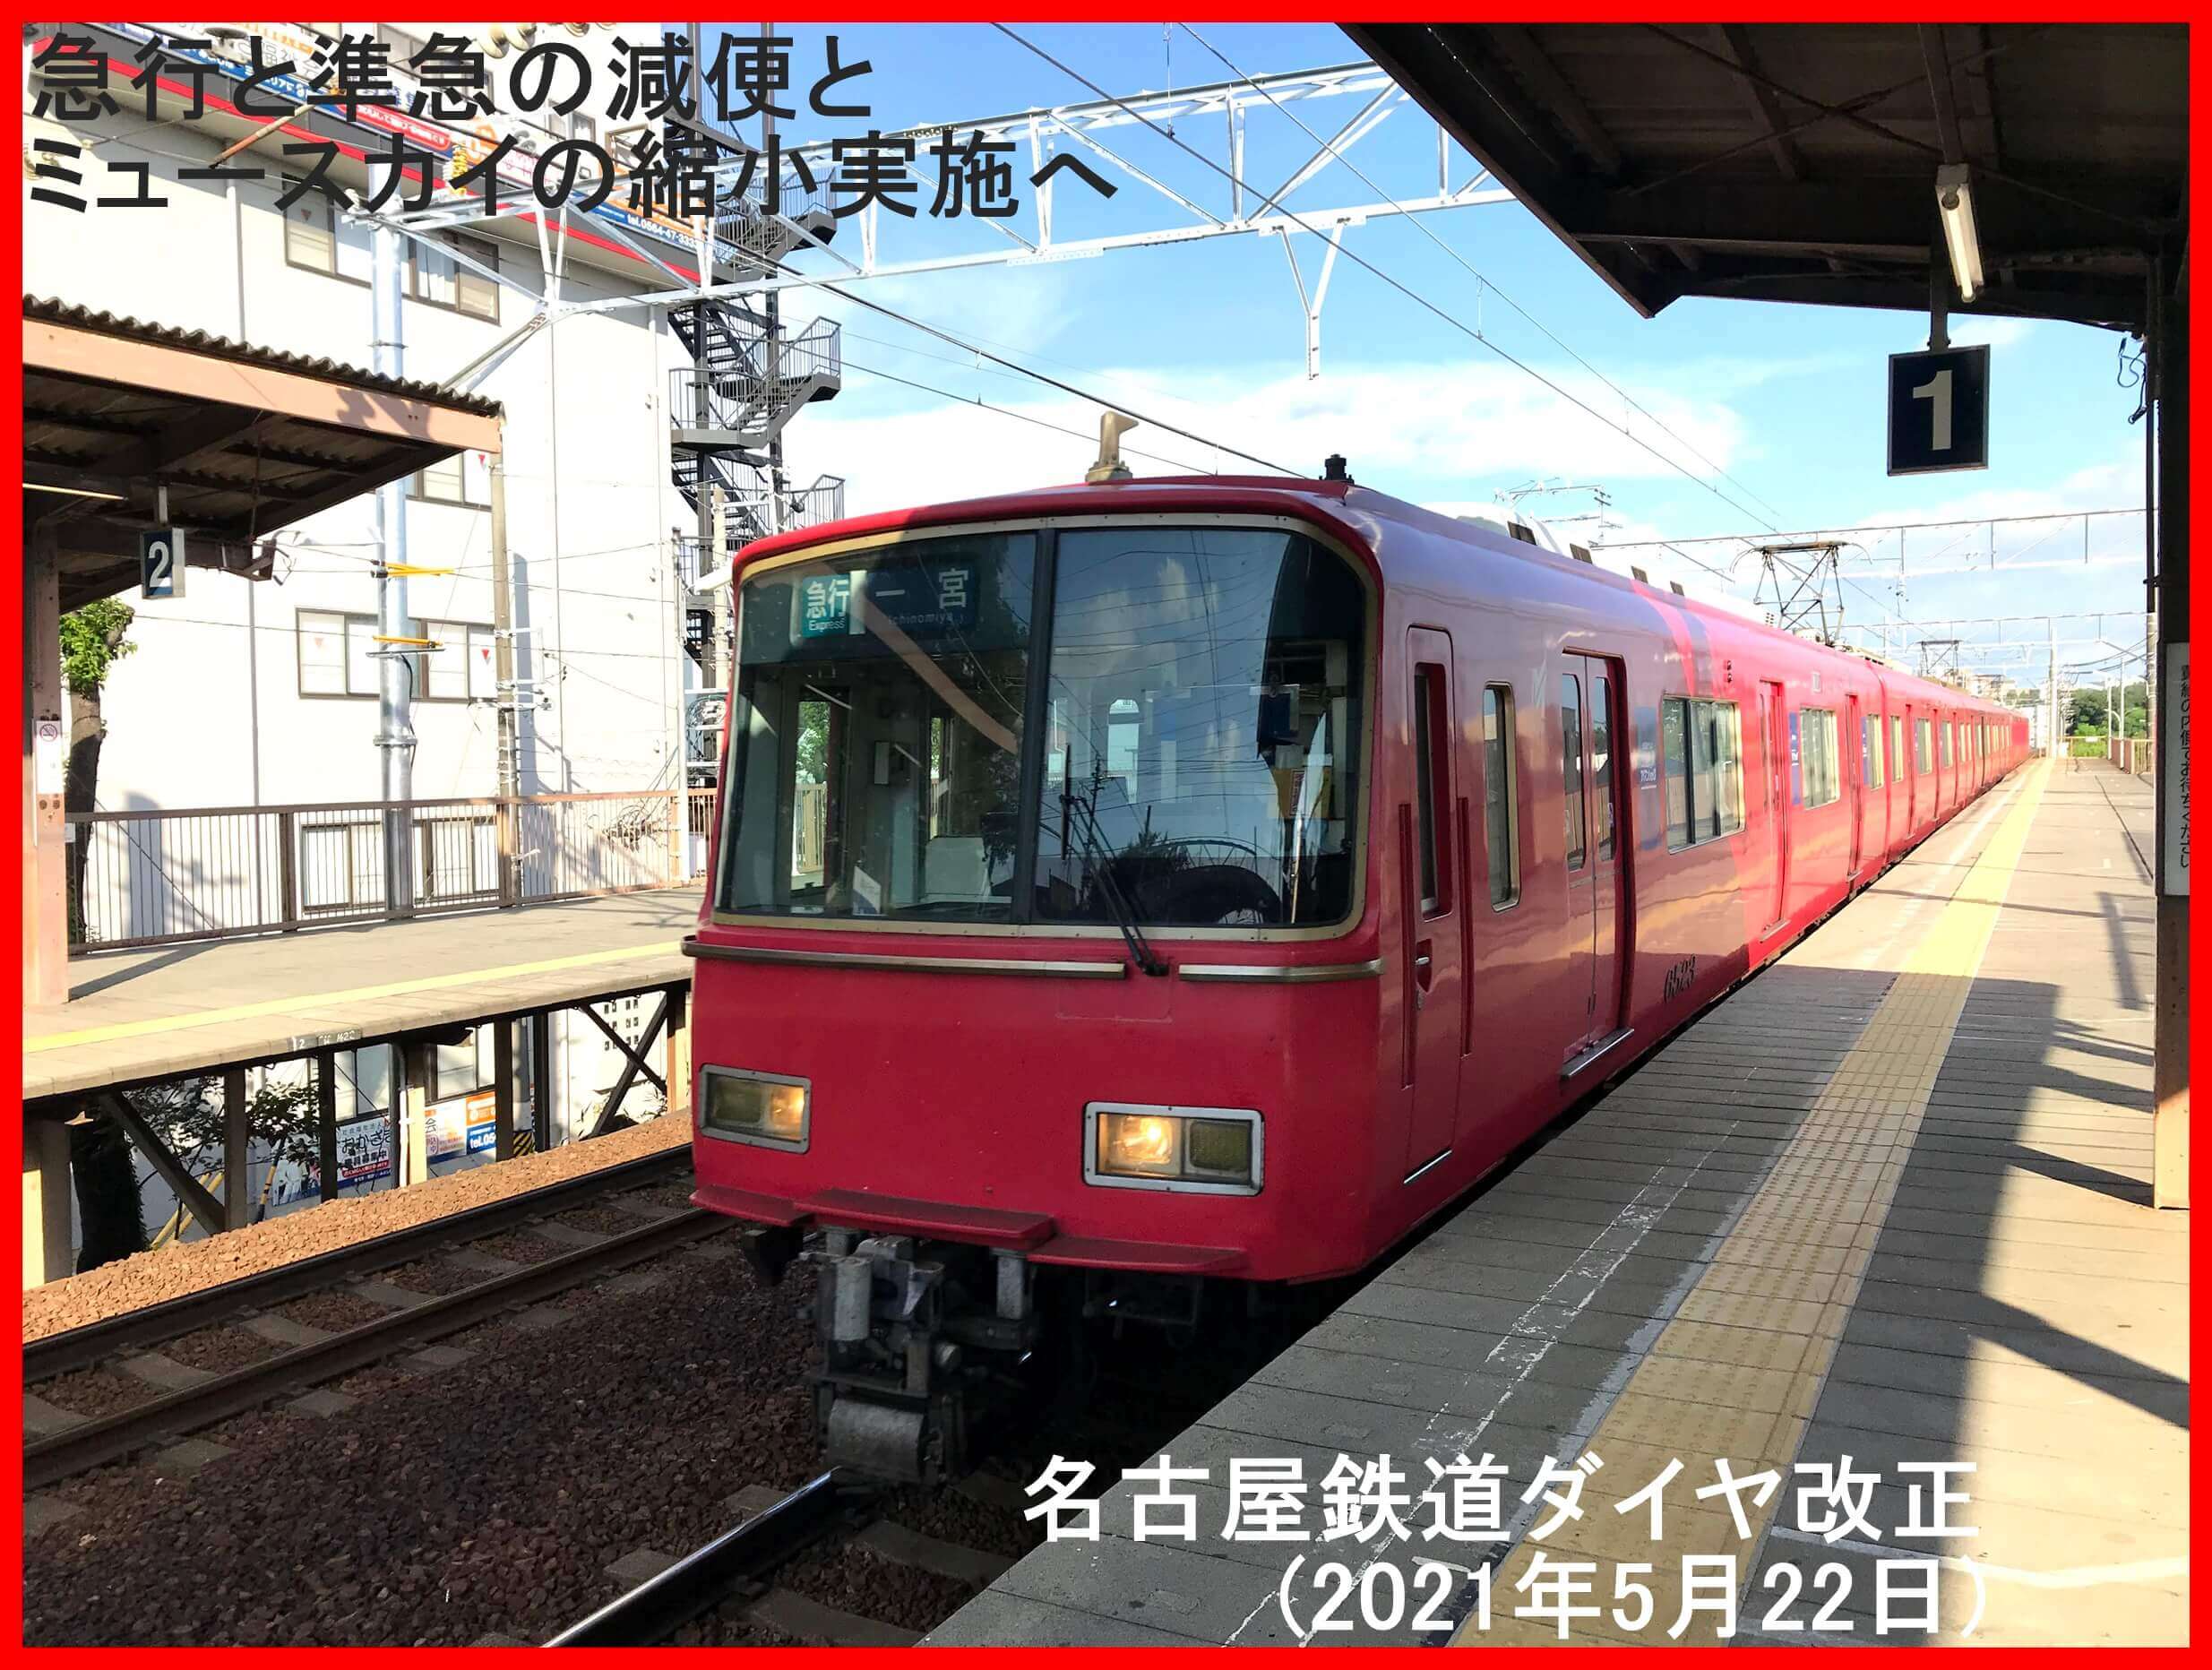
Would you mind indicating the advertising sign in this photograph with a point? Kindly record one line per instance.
(364, 1149)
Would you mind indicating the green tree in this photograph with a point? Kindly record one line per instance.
(189, 1116)
(2087, 715)
(94, 637)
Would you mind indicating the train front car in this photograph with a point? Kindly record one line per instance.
(1037, 973)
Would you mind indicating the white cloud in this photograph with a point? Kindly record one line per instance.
(1418, 430)
(1966, 331)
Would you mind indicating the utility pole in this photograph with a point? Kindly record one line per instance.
(701, 324)
(504, 690)
(2051, 730)
(395, 676)
(2166, 352)
(772, 350)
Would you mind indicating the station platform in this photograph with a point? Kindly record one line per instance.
(1885, 1206)
(137, 1015)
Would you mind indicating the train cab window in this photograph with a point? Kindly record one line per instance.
(1501, 798)
(1191, 759)
(1817, 756)
(875, 755)
(1601, 761)
(1201, 761)
(1869, 752)
(1703, 745)
(1921, 744)
(1571, 740)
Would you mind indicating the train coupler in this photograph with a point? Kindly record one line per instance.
(917, 1339)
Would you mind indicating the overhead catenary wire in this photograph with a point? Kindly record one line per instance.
(1004, 411)
(1410, 294)
(1488, 283)
(1050, 380)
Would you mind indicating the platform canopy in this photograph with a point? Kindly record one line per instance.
(1796, 162)
(242, 441)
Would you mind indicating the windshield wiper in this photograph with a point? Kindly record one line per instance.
(1098, 860)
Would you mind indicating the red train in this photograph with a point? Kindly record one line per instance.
(1123, 889)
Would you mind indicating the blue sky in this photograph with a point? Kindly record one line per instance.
(1788, 401)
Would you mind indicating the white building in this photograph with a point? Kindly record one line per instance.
(257, 693)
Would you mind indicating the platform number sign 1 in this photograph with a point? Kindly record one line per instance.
(1938, 411)
(161, 562)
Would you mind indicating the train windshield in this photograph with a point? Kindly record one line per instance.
(1188, 758)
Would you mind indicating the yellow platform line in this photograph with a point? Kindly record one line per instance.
(1736, 1371)
(353, 995)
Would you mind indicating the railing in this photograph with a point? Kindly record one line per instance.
(159, 877)
(749, 229)
(751, 513)
(739, 396)
(2131, 755)
(819, 350)
(809, 507)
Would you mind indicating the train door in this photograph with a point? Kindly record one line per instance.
(1900, 796)
(1910, 766)
(1855, 736)
(1774, 723)
(1434, 1003)
(1590, 729)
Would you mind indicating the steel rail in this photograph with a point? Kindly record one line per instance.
(747, 1553)
(111, 1437)
(80, 1347)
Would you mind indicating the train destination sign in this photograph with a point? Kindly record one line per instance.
(1938, 411)
(931, 598)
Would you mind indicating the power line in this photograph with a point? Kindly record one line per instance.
(1065, 388)
(1003, 412)
(1411, 295)
(1480, 277)
(1815, 533)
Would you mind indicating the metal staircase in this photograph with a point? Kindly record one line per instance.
(747, 379)
(728, 407)
(737, 394)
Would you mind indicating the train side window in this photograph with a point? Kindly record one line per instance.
(1703, 742)
(1601, 759)
(1571, 739)
(1921, 748)
(1500, 802)
(1897, 747)
(1869, 752)
(1674, 746)
(1943, 735)
(1430, 728)
(1816, 742)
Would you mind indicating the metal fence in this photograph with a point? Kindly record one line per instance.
(157, 877)
(2131, 755)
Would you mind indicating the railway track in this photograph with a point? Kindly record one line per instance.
(140, 1330)
(741, 1559)
(163, 1418)
(733, 1576)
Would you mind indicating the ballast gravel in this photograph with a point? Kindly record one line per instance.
(487, 1497)
(219, 1350)
(187, 1266)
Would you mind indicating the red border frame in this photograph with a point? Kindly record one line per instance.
(1241, 10)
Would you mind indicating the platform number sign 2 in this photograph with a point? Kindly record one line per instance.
(161, 562)
(1938, 411)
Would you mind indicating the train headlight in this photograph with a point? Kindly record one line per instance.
(1206, 1150)
(760, 1108)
